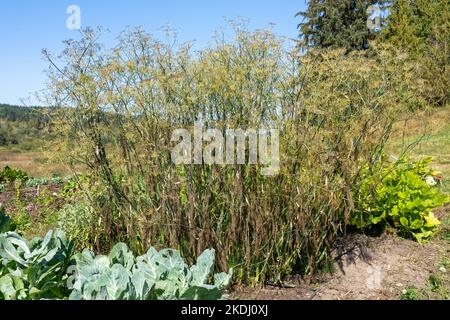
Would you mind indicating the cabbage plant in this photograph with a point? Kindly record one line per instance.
(155, 275)
(34, 269)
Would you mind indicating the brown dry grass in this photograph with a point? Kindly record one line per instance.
(34, 164)
(429, 133)
(426, 122)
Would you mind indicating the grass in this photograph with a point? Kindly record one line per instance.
(427, 135)
(34, 163)
(435, 289)
(437, 286)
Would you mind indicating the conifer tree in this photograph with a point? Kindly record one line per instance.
(337, 24)
(422, 28)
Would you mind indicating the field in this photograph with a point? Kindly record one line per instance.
(35, 163)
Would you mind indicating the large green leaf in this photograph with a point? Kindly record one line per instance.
(169, 259)
(202, 269)
(7, 287)
(12, 246)
(121, 255)
(6, 223)
(118, 283)
(205, 292)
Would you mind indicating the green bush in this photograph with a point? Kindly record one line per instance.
(400, 195)
(10, 174)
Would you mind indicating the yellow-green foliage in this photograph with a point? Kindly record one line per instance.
(401, 195)
(334, 112)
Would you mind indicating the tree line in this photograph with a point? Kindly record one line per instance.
(420, 28)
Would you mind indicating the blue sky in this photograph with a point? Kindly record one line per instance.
(28, 26)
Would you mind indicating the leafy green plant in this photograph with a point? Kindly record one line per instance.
(77, 220)
(410, 294)
(6, 223)
(69, 186)
(154, 275)
(56, 179)
(35, 182)
(35, 269)
(9, 175)
(400, 195)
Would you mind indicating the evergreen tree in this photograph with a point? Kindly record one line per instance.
(337, 24)
(417, 24)
(422, 28)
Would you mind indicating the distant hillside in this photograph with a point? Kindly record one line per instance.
(18, 113)
(22, 125)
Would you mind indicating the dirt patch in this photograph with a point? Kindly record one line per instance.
(396, 264)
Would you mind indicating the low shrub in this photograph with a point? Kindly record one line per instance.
(10, 174)
(400, 195)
